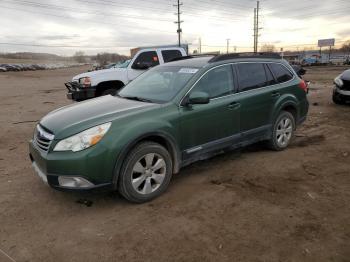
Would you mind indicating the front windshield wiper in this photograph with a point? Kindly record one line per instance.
(137, 98)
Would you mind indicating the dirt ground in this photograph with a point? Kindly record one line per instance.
(249, 205)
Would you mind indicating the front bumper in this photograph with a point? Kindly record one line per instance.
(77, 92)
(44, 165)
(343, 93)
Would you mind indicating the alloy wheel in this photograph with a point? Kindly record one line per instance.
(284, 131)
(148, 173)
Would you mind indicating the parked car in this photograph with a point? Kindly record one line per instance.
(169, 117)
(109, 81)
(341, 91)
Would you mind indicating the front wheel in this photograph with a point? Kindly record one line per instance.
(282, 132)
(146, 172)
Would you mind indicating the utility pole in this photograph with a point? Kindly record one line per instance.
(178, 22)
(200, 45)
(228, 45)
(256, 26)
(254, 31)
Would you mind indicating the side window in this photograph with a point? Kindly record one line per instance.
(217, 82)
(149, 58)
(251, 76)
(169, 55)
(269, 77)
(281, 73)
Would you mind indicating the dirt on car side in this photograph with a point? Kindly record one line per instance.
(246, 205)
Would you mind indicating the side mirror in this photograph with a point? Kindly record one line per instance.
(141, 66)
(198, 98)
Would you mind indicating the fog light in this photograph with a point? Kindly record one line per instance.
(74, 182)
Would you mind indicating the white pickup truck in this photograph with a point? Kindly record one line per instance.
(109, 81)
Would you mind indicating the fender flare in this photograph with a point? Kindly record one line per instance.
(175, 153)
(284, 102)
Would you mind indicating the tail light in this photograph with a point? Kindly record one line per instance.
(303, 85)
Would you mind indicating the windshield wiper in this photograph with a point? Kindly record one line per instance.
(137, 98)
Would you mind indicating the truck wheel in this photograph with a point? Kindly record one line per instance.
(146, 172)
(110, 91)
(282, 132)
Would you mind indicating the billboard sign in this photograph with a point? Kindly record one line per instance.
(326, 42)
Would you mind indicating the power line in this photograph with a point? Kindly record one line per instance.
(194, 12)
(86, 20)
(55, 7)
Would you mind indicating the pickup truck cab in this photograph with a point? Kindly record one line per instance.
(109, 81)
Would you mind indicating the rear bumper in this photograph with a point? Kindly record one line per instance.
(40, 163)
(77, 92)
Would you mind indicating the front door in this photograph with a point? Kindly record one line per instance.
(213, 125)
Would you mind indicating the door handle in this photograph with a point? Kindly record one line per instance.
(275, 94)
(234, 105)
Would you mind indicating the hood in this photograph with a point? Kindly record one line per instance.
(80, 116)
(346, 75)
(98, 73)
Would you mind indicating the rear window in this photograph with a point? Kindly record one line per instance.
(251, 76)
(281, 73)
(169, 55)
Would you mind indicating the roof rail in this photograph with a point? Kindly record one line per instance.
(189, 57)
(244, 55)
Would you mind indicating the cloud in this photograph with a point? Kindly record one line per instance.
(108, 25)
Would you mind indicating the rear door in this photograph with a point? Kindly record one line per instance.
(255, 97)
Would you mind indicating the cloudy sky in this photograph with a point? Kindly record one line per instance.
(65, 26)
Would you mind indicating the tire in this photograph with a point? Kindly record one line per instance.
(110, 91)
(337, 99)
(282, 132)
(146, 172)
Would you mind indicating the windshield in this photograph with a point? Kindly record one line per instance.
(123, 64)
(159, 84)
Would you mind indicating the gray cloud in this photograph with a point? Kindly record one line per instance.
(117, 26)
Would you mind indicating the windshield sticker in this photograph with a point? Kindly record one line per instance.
(188, 70)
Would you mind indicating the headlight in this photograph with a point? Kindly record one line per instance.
(85, 81)
(338, 81)
(84, 139)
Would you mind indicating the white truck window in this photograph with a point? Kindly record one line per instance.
(149, 58)
(169, 55)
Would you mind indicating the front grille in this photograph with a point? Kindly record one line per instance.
(42, 138)
(346, 85)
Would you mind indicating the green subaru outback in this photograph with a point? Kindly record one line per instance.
(169, 117)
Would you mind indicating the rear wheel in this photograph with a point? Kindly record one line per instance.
(283, 131)
(146, 172)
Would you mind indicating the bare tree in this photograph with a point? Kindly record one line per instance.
(79, 56)
(345, 47)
